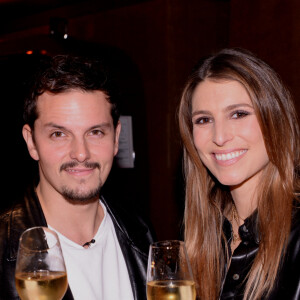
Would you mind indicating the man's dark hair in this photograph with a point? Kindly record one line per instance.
(62, 73)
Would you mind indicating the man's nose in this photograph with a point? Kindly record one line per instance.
(222, 133)
(79, 150)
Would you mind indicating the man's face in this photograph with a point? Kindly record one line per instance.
(74, 142)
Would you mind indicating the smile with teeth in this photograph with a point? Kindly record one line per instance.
(228, 156)
(78, 170)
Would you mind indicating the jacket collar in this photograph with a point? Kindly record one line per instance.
(28, 213)
(25, 214)
(134, 229)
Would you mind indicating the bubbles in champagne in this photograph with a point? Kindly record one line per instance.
(174, 290)
(46, 285)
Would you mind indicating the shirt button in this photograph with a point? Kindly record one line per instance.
(236, 277)
(245, 228)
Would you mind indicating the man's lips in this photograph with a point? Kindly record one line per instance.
(77, 170)
(80, 169)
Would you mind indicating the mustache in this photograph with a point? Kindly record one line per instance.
(72, 164)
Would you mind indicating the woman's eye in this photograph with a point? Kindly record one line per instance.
(239, 114)
(202, 120)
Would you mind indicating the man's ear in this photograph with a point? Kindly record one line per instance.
(117, 136)
(28, 137)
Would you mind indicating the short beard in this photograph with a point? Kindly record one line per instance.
(81, 198)
(78, 197)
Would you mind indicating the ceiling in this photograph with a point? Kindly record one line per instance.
(16, 15)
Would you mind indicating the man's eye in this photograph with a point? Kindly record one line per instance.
(96, 132)
(239, 114)
(57, 134)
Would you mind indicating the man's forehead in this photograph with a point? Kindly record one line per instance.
(73, 97)
(74, 105)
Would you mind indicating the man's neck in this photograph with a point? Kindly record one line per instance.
(78, 222)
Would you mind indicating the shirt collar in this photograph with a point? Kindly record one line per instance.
(247, 231)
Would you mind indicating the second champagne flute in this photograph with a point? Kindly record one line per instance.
(169, 274)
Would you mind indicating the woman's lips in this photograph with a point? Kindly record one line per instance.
(228, 157)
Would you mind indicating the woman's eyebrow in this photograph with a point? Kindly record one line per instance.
(201, 112)
(238, 105)
(227, 108)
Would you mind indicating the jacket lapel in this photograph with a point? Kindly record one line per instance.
(24, 215)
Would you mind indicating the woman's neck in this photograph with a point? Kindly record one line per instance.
(245, 200)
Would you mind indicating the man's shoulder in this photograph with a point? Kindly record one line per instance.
(24, 213)
(130, 223)
(7, 213)
(127, 216)
(6, 217)
(11, 217)
(4, 223)
(18, 208)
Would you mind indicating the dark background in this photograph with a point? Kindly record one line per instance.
(151, 46)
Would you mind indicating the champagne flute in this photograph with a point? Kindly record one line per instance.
(40, 269)
(169, 274)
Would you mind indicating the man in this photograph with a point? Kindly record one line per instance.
(72, 130)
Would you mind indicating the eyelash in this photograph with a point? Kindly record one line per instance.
(57, 134)
(201, 121)
(240, 114)
(97, 132)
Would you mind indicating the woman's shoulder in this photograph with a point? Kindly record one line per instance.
(293, 245)
(296, 216)
(288, 279)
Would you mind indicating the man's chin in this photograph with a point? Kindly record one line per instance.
(81, 197)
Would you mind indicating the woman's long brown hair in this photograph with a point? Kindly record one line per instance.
(206, 199)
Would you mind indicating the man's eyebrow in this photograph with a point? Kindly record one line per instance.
(101, 125)
(51, 124)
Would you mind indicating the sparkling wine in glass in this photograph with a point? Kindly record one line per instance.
(169, 274)
(40, 269)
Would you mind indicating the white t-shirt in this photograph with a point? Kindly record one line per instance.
(98, 272)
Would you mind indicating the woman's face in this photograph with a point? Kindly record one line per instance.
(227, 134)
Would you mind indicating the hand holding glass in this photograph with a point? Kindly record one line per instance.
(40, 269)
(169, 274)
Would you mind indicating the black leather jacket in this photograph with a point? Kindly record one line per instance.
(287, 284)
(133, 234)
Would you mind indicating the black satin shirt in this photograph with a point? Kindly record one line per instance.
(287, 285)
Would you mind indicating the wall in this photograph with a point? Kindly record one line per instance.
(162, 40)
(165, 39)
(270, 28)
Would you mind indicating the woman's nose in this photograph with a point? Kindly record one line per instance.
(222, 133)
(79, 150)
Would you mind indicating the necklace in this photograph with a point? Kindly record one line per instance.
(235, 217)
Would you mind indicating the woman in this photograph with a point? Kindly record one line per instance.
(241, 155)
